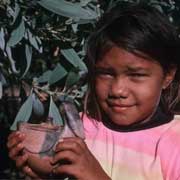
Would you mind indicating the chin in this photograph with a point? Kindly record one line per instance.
(123, 123)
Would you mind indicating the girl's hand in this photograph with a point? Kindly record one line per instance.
(81, 163)
(17, 154)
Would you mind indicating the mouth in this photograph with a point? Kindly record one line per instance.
(117, 107)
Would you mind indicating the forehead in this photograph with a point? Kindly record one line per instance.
(117, 57)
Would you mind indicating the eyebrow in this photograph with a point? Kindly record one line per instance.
(103, 69)
(128, 69)
(135, 69)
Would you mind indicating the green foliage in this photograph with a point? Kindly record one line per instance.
(42, 48)
(42, 51)
(42, 45)
(75, 11)
(74, 59)
(54, 113)
(24, 113)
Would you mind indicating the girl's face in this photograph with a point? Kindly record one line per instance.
(128, 87)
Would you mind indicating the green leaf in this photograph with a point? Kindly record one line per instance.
(2, 40)
(11, 60)
(28, 51)
(73, 58)
(38, 107)
(2, 79)
(57, 74)
(84, 2)
(34, 41)
(72, 78)
(45, 77)
(17, 34)
(24, 112)
(1, 90)
(54, 113)
(16, 12)
(68, 9)
(75, 27)
(158, 7)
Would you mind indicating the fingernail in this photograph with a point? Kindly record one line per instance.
(61, 140)
(28, 169)
(21, 135)
(18, 133)
(20, 145)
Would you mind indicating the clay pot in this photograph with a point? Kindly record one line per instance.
(39, 144)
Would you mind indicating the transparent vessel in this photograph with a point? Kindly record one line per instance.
(39, 143)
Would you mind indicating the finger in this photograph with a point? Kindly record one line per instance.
(14, 133)
(21, 161)
(71, 142)
(69, 145)
(66, 169)
(15, 139)
(14, 152)
(67, 156)
(28, 171)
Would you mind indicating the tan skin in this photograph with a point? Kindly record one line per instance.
(128, 87)
(16, 147)
(124, 84)
(83, 164)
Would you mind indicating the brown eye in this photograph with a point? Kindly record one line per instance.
(103, 72)
(137, 75)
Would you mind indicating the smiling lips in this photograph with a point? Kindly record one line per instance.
(117, 107)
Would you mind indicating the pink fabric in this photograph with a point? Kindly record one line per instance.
(151, 154)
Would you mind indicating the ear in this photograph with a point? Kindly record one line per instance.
(169, 76)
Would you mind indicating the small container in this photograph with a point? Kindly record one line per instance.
(39, 143)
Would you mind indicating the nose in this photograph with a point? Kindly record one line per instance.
(119, 88)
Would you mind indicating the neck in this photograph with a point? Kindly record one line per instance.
(157, 118)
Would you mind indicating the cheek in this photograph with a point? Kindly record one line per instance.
(101, 88)
(149, 94)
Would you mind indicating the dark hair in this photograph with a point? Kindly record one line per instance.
(141, 30)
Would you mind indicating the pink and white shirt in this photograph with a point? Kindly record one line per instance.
(150, 154)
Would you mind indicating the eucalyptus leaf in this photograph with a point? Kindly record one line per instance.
(45, 77)
(28, 51)
(68, 9)
(34, 41)
(84, 2)
(2, 79)
(13, 12)
(75, 27)
(57, 74)
(2, 40)
(158, 7)
(73, 58)
(12, 62)
(24, 112)
(40, 44)
(1, 90)
(38, 107)
(54, 113)
(72, 78)
(16, 12)
(17, 34)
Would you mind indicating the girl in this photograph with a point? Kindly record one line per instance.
(130, 124)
